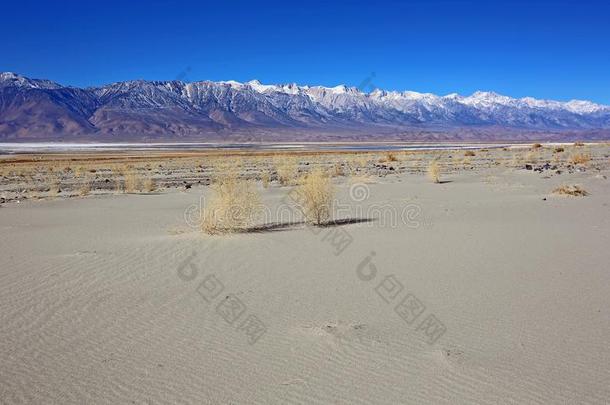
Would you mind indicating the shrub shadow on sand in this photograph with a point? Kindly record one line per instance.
(345, 221)
(272, 227)
(284, 226)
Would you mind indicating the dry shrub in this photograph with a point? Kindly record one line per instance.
(531, 157)
(434, 171)
(117, 173)
(118, 186)
(362, 161)
(221, 168)
(233, 207)
(357, 163)
(517, 159)
(574, 191)
(85, 187)
(54, 185)
(389, 157)
(286, 169)
(469, 153)
(338, 169)
(580, 159)
(149, 185)
(316, 193)
(558, 150)
(265, 179)
(131, 182)
(536, 146)
(579, 144)
(80, 170)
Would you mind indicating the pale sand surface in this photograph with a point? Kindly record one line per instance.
(92, 309)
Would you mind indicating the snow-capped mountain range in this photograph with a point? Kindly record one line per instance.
(41, 109)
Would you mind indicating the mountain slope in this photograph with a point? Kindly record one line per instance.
(170, 110)
(29, 109)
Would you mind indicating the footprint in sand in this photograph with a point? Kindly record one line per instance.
(451, 356)
(340, 332)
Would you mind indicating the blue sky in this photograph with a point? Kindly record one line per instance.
(545, 49)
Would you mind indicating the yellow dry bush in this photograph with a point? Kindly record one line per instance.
(287, 169)
(517, 159)
(574, 191)
(434, 171)
(149, 185)
(338, 169)
(117, 173)
(233, 207)
(531, 157)
(315, 197)
(80, 170)
(54, 185)
(389, 157)
(580, 159)
(118, 186)
(225, 167)
(265, 178)
(362, 161)
(85, 187)
(131, 181)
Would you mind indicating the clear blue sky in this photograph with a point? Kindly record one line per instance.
(545, 49)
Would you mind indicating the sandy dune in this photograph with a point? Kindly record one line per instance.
(115, 299)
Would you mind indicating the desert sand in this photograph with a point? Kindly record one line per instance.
(488, 289)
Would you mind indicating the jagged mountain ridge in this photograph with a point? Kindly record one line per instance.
(41, 109)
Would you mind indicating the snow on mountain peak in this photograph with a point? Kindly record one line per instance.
(340, 89)
(259, 87)
(290, 88)
(378, 93)
(14, 79)
(414, 95)
(232, 83)
(294, 105)
(489, 96)
(8, 76)
(584, 107)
